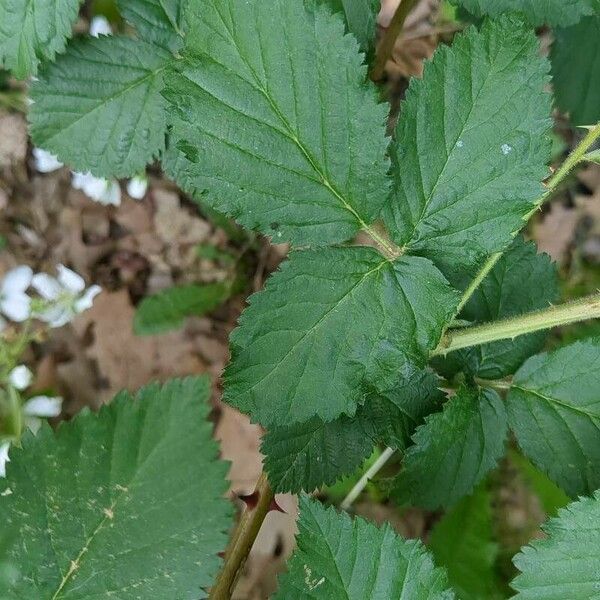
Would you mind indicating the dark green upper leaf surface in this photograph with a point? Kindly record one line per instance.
(34, 30)
(127, 503)
(307, 455)
(462, 542)
(338, 558)
(554, 411)
(360, 17)
(565, 564)
(327, 322)
(310, 454)
(158, 21)
(521, 281)
(391, 416)
(453, 450)
(471, 146)
(536, 12)
(575, 59)
(272, 109)
(168, 309)
(99, 107)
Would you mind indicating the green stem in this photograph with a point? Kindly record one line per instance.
(386, 46)
(476, 282)
(577, 156)
(242, 540)
(11, 422)
(554, 316)
(500, 385)
(361, 484)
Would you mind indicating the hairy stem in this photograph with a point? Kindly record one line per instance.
(384, 50)
(243, 538)
(570, 163)
(500, 385)
(361, 484)
(554, 316)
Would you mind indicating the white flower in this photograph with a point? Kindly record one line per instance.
(100, 26)
(101, 190)
(65, 294)
(14, 302)
(137, 187)
(44, 161)
(39, 407)
(4, 458)
(20, 377)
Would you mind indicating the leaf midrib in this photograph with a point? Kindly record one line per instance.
(101, 105)
(122, 489)
(292, 136)
(551, 400)
(310, 331)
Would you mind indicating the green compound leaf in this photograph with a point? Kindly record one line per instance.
(360, 17)
(453, 450)
(306, 456)
(158, 21)
(32, 31)
(99, 108)
(279, 136)
(328, 322)
(535, 12)
(169, 308)
(338, 558)
(565, 564)
(462, 542)
(391, 416)
(127, 503)
(554, 411)
(471, 146)
(575, 58)
(521, 281)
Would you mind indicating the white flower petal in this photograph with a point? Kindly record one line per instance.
(56, 316)
(91, 186)
(44, 161)
(43, 406)
(100, 26)
(86, 301)
(17, 280)
(137, 187)
(20, 377)
(112, 193)
(34, 424)
(47, 287)
(17, 307)
(70, 280)
(81, 180)
(4, 458)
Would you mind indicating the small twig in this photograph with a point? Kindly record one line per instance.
(243, 538)
(386, 46)
(361, 484)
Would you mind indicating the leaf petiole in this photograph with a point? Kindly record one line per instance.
(554, 316)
